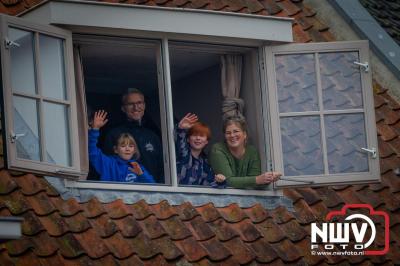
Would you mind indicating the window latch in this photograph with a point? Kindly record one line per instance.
(370, 151)
(365, 65)
(10, 43)
(14, 137)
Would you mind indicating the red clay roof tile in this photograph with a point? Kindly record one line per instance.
(223, 230)
(93, 208)
(329, 197)
(117, 209)
(152, 227)
(263, 251)
(294, 231)
(232, 213)
(7, 184)
(303, 213)
(175, 228)
(117, 245)
(168, 248)
(191, 248)
(281, 215)
(385, 150)
(286, 251)
(208, 212)
(128, 226)
(15, 202)
(41, 204)
(271, 7)
(140, 210)
(215, 249)
(104, 226)
(31, 225)
(18, 247)
(271, 231)
(290, 8)
(257, 213)
(143, 246)
(199, 229)
(92, 244)
(67, 208)
(240, 252)
(163, 210)
(395, 144)
(309, 195)
(246, 230)
(186, 211)
(30, 184)
(44, 245)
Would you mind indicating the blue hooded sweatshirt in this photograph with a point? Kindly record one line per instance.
(113, 168)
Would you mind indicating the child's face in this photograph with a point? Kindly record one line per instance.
(125, 150)
(197, 142)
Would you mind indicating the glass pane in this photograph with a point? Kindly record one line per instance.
(301, 145)
(26, 128)
(341, 80)
(22, 61)
(52, 67)
(296, 83)
(56, 130)
(345, 137)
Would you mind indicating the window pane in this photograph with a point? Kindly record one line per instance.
(296, 83)
(341, 80)
(52, 67)
(301, 145)
(22, 61)
(345, 137)
(26, 128)
(56, 130)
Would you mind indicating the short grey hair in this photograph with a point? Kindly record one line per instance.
(130, 91)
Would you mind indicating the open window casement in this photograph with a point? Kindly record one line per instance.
(40, 117)
(322, 113)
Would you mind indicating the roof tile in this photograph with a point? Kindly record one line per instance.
(30, 184)
(304, 214)
(223, 230)
(217, 5)
(247, 231)
(395, 145)
(18, 247)
(309, 195)
(241, 253)
(27, 258)
(104, 226)
(41, 203)
(271, 231)
(92, 244)
(385, 150)
(163, 210)
(233, 213)
(199, 229)
(186, 211)
(128, 226)
(192, 249)
(216, 251)
(392, 203)
(289, 7)
(117, 209)
(152, 227)
(55, 225)
(320, 211)
(388, 165)
(143, 246)
(93, 208)
(44, 245)
(69, 207)
(329, 197)
(385, 131)
(31, 224)
(299, 35)
(271, 7)
(7, 183)
(208, 212)
(370, 197)
(263, 251)
(286, 251)
(281, 215)
(292, 194)
(311, 259)
(119, 248)
(294, 231)
(15, 202)
(257, 213)
(168, 248)
(70, 246)
(140, 210)
(175, 228)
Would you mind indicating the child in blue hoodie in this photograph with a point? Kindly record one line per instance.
(121, 167)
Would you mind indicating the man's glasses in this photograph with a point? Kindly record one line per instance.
(134, 104)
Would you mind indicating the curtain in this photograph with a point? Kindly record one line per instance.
(231, 77)
(81, 111)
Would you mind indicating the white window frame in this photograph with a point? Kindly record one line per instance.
(41, 167)
(373, 175)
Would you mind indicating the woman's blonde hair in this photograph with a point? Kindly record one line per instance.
(126, 138)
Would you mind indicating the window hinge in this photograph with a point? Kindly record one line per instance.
(10, 43)
(365, 65)
(370, 151)
(14, 137)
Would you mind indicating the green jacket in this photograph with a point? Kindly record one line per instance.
(239, 173)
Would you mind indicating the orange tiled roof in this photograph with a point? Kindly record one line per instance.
(58, 232)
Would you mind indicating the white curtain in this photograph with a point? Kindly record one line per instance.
(231, 78)
(81, 110)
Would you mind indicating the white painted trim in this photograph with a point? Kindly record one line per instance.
(166, 20)
(10, 227)
(170, 189)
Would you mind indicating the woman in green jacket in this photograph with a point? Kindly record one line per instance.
(236, 161)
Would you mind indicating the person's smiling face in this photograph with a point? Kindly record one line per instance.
(197, 142)
(134, 106)
(235, 137)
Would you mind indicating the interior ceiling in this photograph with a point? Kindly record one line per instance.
(118, 66)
